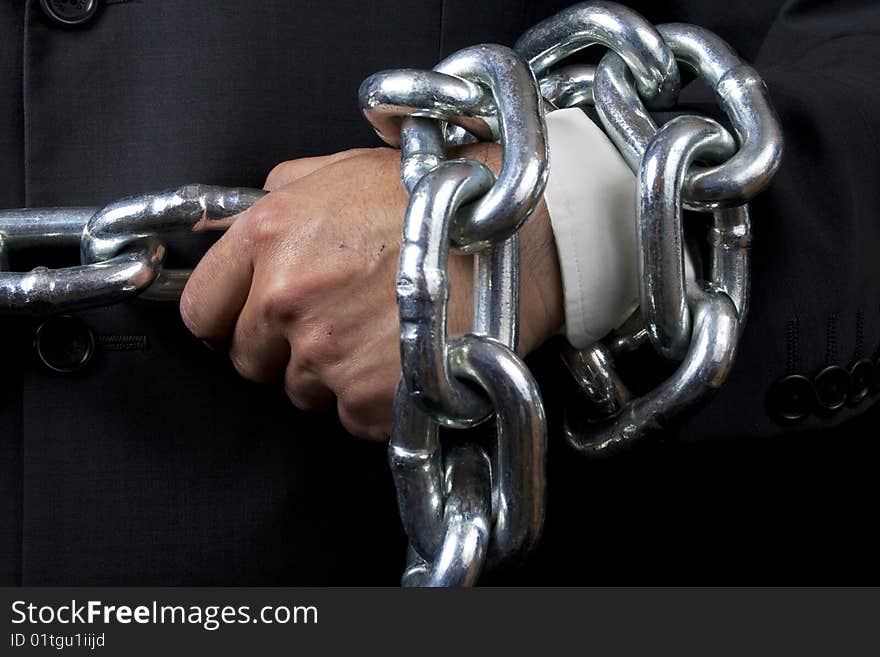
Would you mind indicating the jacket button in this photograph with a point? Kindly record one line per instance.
(791, 399)
(64, 344)
(862, 375)
(833, 385)
(70, 12)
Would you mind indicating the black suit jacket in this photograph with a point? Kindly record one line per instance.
(158, 465)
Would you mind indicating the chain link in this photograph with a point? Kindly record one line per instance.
(616, 27)
(121, 251)
(660, 234)
(489, 92)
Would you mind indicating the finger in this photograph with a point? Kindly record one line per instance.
(217, 289)
(259, 350)
(365, 405)
(305, 390)
(360, 426)
(287, 172)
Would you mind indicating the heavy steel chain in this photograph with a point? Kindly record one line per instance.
(689, 163)
(121, 249)
(462, 508)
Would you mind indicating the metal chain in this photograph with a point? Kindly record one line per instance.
(696, 325)
(490, 93)
(690, 163)
(120, 245)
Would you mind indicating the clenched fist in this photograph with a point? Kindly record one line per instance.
(302, 286)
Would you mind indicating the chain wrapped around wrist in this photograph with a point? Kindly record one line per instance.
(456, 505)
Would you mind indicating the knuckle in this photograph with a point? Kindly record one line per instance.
(360, 426)
(189, 311)
(244, 366)
(299, 400)
(359, 401)
(318, 349)
(281, 303)
(352, 423)
(363, 150)
(376, 433)
(305, 393)
(375, 154)
(194, 313)
(261, 224)
(276, 175)
(366, 404)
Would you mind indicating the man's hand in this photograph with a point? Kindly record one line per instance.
(302, 286)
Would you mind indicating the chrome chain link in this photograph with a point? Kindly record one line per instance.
(121, 249)
(490, 93)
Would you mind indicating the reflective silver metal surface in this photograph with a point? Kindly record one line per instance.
(46, 291)
(459, 383)
(119, 244)
(389, 96)
(629, 336)
(432, 367)
(422, 147)
(49, 228)
(191, 208)
(691, 163)
(704, 369)
(612, 25)
(730, 241)
(518, 458)
(743, 96)
(621, 111)
(525, 166)
(466, 521)
(416, 461)
(463, 509)
(496, 292)
(423, 292)
(660, 235)
(593, 370)
(455, 93)
(520, 448)
(569, 86)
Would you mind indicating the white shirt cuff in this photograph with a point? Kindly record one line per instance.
(591, 199)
